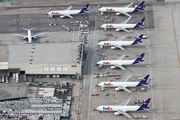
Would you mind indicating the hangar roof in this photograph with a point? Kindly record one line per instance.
(54, 53)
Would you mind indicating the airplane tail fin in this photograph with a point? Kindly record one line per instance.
(140, 23)
(140, 7)
(145, 105)
(144, 81)
(138, 40)
(85, 8)
(139, 59)
(28, 29)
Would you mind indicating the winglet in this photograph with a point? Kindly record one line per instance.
(85, 8)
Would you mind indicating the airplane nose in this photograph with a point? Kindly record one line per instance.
(102, 26)
(98, 62)
(97, 108)
(99, 84)
(99, 9)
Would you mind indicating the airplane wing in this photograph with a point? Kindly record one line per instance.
(125, 89)
(68, 8)
(121, 57)
(124, 29)
(121, 38)
(37, 35)
(124, 113)
(124, 22)
(120, 66)
(125, 13)
(118, 46)
(126, 78)
(128, 5)
(21, 35)
(125, 102)
(68, 15)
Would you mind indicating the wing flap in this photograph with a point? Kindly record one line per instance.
(126, 78)
(68, 15)
(37, 35)
(125, 89)
(125, 13)
(124, 29)
(124, 22)
(120, 66)
(21, 35)
(120, 39)
(128, 5)
(124, 113)
(119, 47)
(121, 57)
(68, 8)
(125, 102)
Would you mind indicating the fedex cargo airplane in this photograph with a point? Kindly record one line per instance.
(119, 62)
(29, 37)
(68, 12)
(123, 25)
(123, 84)
(123, 10)
(119, 43)
(123, 108)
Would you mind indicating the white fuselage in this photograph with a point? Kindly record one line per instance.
(116, 84)
(105, 26)
(113, 43)
(116, 108)
(29, 36)
(113, 62)
(69, 12)
(116, 9)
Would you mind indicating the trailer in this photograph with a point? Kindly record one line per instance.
(46, 89)
(14, 76)
(17, 78)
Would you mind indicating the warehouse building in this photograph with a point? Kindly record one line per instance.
(47, 59)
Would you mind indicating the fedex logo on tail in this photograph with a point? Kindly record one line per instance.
(107, 108)
(108, 84)
(107, 43)
(109, 25)
(109, 9)
(106, 63)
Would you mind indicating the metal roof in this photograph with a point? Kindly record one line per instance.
(54, 53)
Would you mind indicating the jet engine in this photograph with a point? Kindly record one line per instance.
(117, 89)
(118, 13)
(62, 16)
(117, 29)
(25, 38)
(34, 38)
(113, 48)
(116, 113)
(113, 67)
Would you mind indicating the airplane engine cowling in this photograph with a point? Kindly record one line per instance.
(118, 13)
(34, 38)
(113, 48)
(117, 89)
(116, 113)
(61, 16)
(113, 67)
(117, 29)
(24, 38)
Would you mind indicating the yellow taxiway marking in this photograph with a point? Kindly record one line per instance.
(175, 31)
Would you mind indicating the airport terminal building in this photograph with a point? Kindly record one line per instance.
(47, 59)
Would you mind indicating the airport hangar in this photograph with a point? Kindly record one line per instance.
(45, 59)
